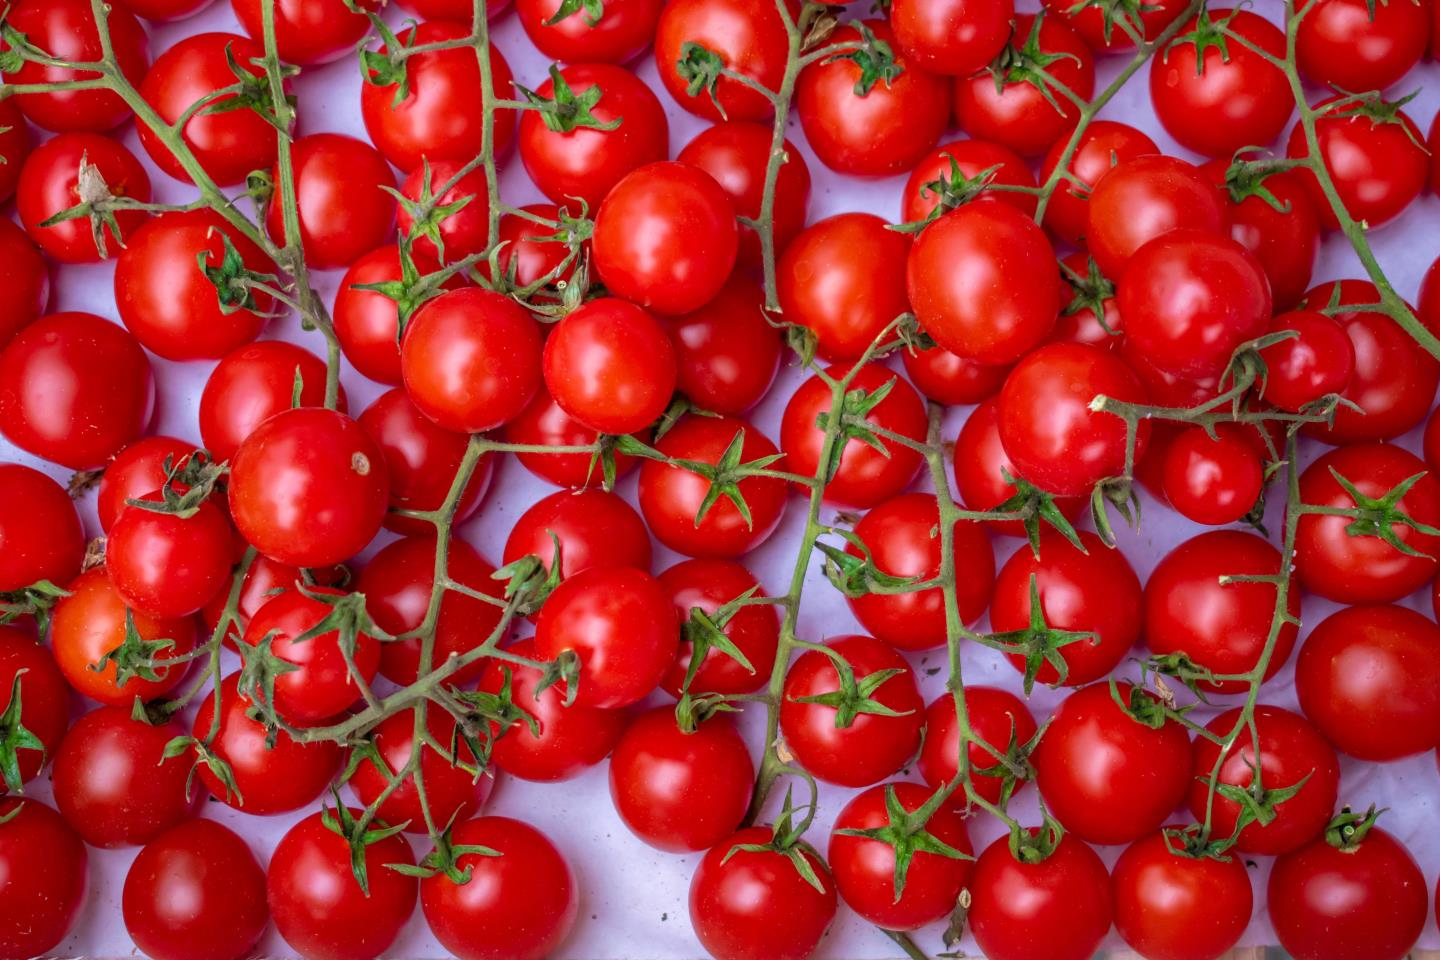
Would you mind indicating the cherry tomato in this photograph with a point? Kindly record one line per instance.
(1173, 907)
(610, 365)
(1290, 751)
(1057, 909)
(1103, 144)
(754, 629)
(451, 9)
(1284, 235)
(1319, 360)
(367, 322)
(463, 233)
(873, 745)
(1377, 160)
(455, 785)
(340, 193)
(40, 534)
(954, 37)
(726, 352)
(1346, 45)
(681, 790)
(594, 529)
(622, 626)
(38, 908)
(520, 905)
(1145, 197)
(1088, 291)
(997, 717)
(308, 487)
(543, 423)
(252, 384)
(15, 146)
(307, 32)
(951, 379)
(530, 254)
(984, 475)
(165, 564)
(1101, 29)
(940, 180)
(624, 29)
(28, 671)
(50, 183)
(1213, 481)
(24, 274)
(971, 279)
(665, 237)
(165, 9)
(749, 38)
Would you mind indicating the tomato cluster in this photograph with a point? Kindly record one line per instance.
(280, 612)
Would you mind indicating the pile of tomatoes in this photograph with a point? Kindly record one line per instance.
(279, 610)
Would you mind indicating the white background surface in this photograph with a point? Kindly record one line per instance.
(633, 898)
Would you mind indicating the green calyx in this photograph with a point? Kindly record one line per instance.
(875, 60)
(905, 833)
(1038, 643)
(855, 696)
(1348, 830)
(1381, 516)
(785, 839)
(565, 111)
(14, 737)
(591, 11)
(136, 656)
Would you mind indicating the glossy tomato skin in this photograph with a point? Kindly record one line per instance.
(252, 384)
(753, 904)
(44, 698)
(367, 322)
(996, 716)
(40, 533)
(681, 791)
(308, 487)
(1222, 627)
(1078, 321)
(196, 892)
(1365, 569)
(610, 365)
(984, 474)
(1143, 198)
(1369, 900)
(954, 37)
(138, 469)
(671, 496)
(38, 907)
(307, 32)
(91, 622)
(587, 161)
(1285, 241)
(726, 352)
(747, 35)
(1106, 776)
(886, 129)
(1103, 144)
(23, 272)
(166, 565)
(594, 528)
(15, 146)
(344, 210)
(844, 278)
(864, 868)
(736, 153)
(1213, 481)
(924, 187)
(463, 233)
(626, 29)
(270, 778)
(951, 379)
(164, 10)
(66, 30)
(454, 791)
(874, 746)
(1319, 360)
(318, 906)
(1290, 749)
(622, 626)
(568, 739)
(1223, 99)
(754, 629)
(49, 184)
(544, 423)
(665, 237)
(520, 905)
(1378, 167)
(1048, 430)
(529, 255)
(1172, 907)
(1093, 592)
(1367, 677)
(112, 782)
(970, 278)
(903, 539)
(1057, 909)
(397, 583)
(167, 301)
(1090, 23)
(1342, 44)
(228, 145)
(865, 476)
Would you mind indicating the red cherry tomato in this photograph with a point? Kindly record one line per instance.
(1101, 29)
(1284, 236)
(749, 38)
(40, 533)
(252, 384)
(367, 322)
(38, 908)
(754, 629)
(15, 146)
(934, 182)
(726, 352)
(454, 786)
(28, 671)
(1213, 481)
(24, 274)
(340, 195)
(463, 233)
(165, 9)
(1059, 908)
(610, 366)
(307, 32)
(1143, 198)
(544, 423)
(1346, 45)
(167, 565)
(1174, 907)
(1103, 144)
(594, 529)
(1379, 164)
(954, 37)
(1319, 360)
(625, 28)
(984, 475)
(1088, 291)
(997, 717)
(951, 379)
(50, 183)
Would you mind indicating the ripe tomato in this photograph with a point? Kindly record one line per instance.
(903, 539)
(671, 496)
(367, 322)
(594, 529)
(15, 146)
(44, 699)
(463, 233)
(971, 279)
(1320, 360)
(844, 279)
(264, 578)
(228, 145)
(622, 626)
(1362, 568)
(543, 423)
(520, 905)
(1143, 198)
(252, 384)
(872, 746)
(91, 622)
(1379, 163)
(340, 185)
(1285, 241)
(40, 534)
(567, 741)
(997, 717)
(1052, 437)
(114, 785)
(1103, 144)
(864, 476)
(1213, 481)
(1174, 907)
(747, 35)
(726, 352)
(318, 906)
(932, 182)
(1346, 45)
(1290, 750)
(1092, 592)
(1010, 105)
(37, 907)
(754, 629)
(1100, 28)
(50, 183)
(984, 474)
(23, 274)
(308, 487)
(167, 565)
(530, 254)
(1222, 627)
(1059, 908)
(681, 790)
(955, 37)
(138, 469)
(321, 685)
(195, 892)
(1213, 93)
(610, 366)
(65, 29)
(1086, 291)
(864, 867)
(307, 32)
(755, 903)
(269, 778)
(165, 9)
(625, 28)
(451, 9)
(434, 110)
(397, 583)
(948, 378)
(455, 784)
(675, 208)
(736, 153)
